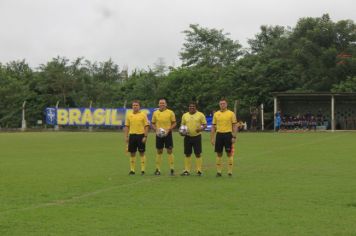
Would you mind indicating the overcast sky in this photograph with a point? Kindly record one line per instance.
(136, 33)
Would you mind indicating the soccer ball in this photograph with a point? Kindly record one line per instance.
(161, 132)
(183, 130)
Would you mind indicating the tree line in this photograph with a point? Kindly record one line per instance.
(316, 55)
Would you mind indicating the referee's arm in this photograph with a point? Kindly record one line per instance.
(173, 125)
(212, 134)
(234, 132)
(147, 127)
(127, 129)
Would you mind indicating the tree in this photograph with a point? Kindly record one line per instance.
(208, 47)
(268, 36)
(348, 85)
(14, 90)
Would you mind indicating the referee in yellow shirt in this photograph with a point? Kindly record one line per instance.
(196, 123)
(225, 126)
(166, 119)
(136, 129)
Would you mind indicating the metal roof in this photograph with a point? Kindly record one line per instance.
(312, 94)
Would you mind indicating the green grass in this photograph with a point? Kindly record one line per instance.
(78, 184)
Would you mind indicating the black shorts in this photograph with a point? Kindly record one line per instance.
(135, 143)
(191, 143)
(223, 140)
(165, 142)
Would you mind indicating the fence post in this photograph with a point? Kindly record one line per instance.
(56, 127)
(23, 125)
(262, 118)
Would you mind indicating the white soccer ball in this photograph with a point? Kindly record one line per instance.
(161, 132)
(183, 130)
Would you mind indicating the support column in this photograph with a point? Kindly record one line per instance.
(332, 113)
(274, 112)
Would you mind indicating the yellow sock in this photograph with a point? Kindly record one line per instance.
(132, 163)
(187, 163)
(199, 163)
(158, 161)
(230, 164)
(219, 164)
(171, 160)
(143, 163)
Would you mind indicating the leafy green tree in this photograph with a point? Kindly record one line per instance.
(269, 36)
(316, 44)
(348, 85)
(143, 85)
(14, 90)
(208, 47)
(59, 80)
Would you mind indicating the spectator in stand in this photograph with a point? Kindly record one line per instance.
(319, 118)
(312, 123)
(278, 120)
(297, 122)
(304, 123)
(290, 123)
(283, 123)
(308, 116)
(253, 113)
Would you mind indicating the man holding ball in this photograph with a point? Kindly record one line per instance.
(194, 122)
(163, 122)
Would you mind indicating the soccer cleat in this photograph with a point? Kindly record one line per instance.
(132, 173)
(157, 172)
(172, 172)
(142, 173)
(218, 174)
(229, 174)
(199, 173)
(185, 173)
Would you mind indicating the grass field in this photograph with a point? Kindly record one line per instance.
(78, 184)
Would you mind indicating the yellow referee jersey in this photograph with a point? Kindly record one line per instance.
(136, 122)
(163, 119)
(193, 122)
(224, 121)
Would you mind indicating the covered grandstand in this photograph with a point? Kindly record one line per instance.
(338, 110)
